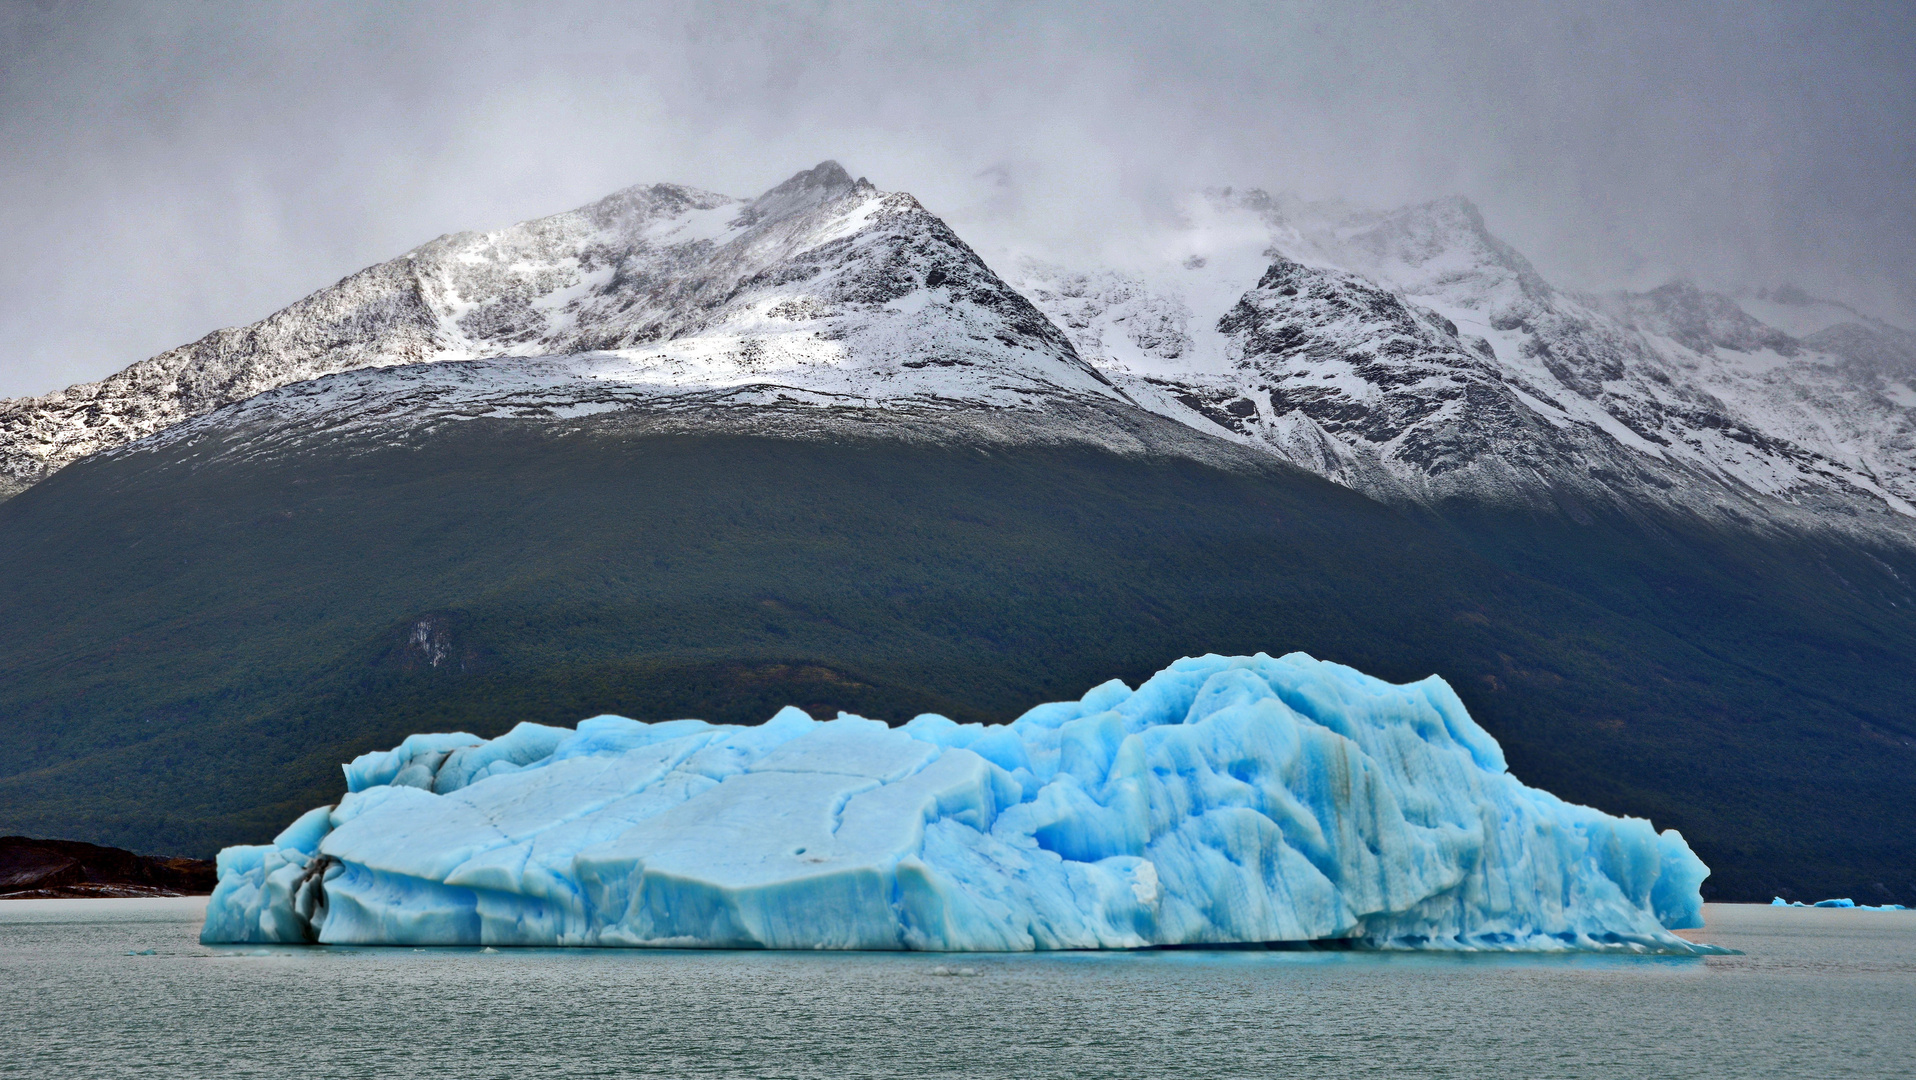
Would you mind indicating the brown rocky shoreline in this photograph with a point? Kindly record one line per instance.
(33, 869)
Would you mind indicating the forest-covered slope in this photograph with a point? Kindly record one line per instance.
(192, 643)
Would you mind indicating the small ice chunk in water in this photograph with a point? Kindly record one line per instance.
(1840, 903)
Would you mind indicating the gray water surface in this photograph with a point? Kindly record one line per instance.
(1817, 993)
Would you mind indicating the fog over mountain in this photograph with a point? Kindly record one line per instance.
(170, 172)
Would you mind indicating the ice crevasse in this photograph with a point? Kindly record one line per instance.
(1225, 800)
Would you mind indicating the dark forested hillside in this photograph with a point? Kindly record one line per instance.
(187, 653)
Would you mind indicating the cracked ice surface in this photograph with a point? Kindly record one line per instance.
(1226, 800)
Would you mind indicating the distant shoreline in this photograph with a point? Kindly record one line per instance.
(35, 869)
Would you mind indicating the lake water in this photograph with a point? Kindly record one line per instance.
(1817, 993)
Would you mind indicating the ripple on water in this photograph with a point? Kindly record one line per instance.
(121, 987)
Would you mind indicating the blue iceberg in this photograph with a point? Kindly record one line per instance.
(1845, 902)
(1227, 800)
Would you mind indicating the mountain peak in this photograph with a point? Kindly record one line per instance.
(1787, 293)
(826, 180)
(1442, 247)
(827, 174)
(824, 183)
(1679, 289)
(1456, 208)
(1700, 321)
(823, 286)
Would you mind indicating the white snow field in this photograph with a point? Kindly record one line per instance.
(1226, 800)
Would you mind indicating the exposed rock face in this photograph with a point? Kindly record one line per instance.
(46, 869)
(1870, 349)
(1349, 377)
(1412, 355)
(1699, 321)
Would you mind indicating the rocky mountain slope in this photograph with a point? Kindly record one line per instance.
(1415, 356)
(1410, 355)
(823, 287)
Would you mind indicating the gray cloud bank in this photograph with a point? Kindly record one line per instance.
(170, 169)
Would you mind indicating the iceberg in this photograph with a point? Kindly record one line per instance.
(1225, 801)
(1844, 902)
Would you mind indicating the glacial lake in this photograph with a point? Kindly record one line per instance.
(1816, 993)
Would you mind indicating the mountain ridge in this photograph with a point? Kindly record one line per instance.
(826, 291)
(708, 275)
(1609, 408)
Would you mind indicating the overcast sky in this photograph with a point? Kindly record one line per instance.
(165, 170)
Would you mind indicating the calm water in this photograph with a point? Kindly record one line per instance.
(1817, 994)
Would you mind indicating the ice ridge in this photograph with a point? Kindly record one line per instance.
(1225, 800)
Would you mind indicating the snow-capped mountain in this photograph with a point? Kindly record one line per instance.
(677, 453)
(1411, 355)
(1414, 355)
(824, 288)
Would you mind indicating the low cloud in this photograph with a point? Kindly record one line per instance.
(170, 170)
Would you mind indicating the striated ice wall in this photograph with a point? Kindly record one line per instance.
(1226, 800)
